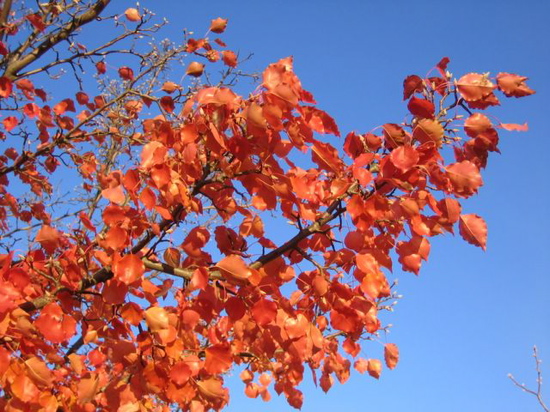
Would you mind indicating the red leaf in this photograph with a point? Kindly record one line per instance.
(180, 373)
(474, 86)
(37, 21)
(264, 311)
(234, 268)
(513, 85)
(391, 355)
(5, 87)
(54, 325)
(128, 269)
(404, 157)
(442, 66)
(477, 124)
(101, 67)
(126, 73)
(10, 123)
(114, 194)
(229, 58)
(421, 108)
(515, 127)
(49, 238)
(473, 230)
(64, 106)
(3, 50)
(218, 359)
(218, 25)
(464, 177)
(167, 104)
(412, 84)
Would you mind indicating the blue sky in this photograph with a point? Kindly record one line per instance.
(471, 317)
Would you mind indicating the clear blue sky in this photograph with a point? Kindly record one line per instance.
(471, 317)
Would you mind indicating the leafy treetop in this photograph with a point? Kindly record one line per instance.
(141, 288)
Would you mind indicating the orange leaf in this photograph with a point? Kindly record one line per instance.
(218, 359)
(24, 389)
(234, 268)
(474, 86)
(49, 238)
(87, 389)
(264, 311)
(39, 371)
(513, 85)
(114, 194)
(391, 355)
(180, 373)
(5, 87)
(156, 318)
(404, 157)
(464, 177)
(132, 14)
(128, 269)
(427, 130)
(513, 127)
(361, 365)
(212, 389)
(218, 25)
(195, 69)
(473, 230)
(54, 325)
(229, 58)
(374, 367)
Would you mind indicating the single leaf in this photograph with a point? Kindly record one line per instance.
(474, 86)
(465, 178)
(513, 85)
(374, 368)
(156, 318)
(404, 157)
(218, 25)
(421, 107)
(412, 84)
(515, 127)
(473, 230)
(218, 359)
(195, 69)
(391, 355)
(234, 268)
(132, 14)
(128, 269)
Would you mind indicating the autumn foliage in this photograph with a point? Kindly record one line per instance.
(158, 232)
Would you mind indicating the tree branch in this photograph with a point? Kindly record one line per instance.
(54, 38)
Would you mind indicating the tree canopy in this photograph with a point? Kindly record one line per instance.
(139, 265)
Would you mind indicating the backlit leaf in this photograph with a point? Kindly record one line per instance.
(473, 230)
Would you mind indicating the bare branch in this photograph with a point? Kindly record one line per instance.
(538, 392)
